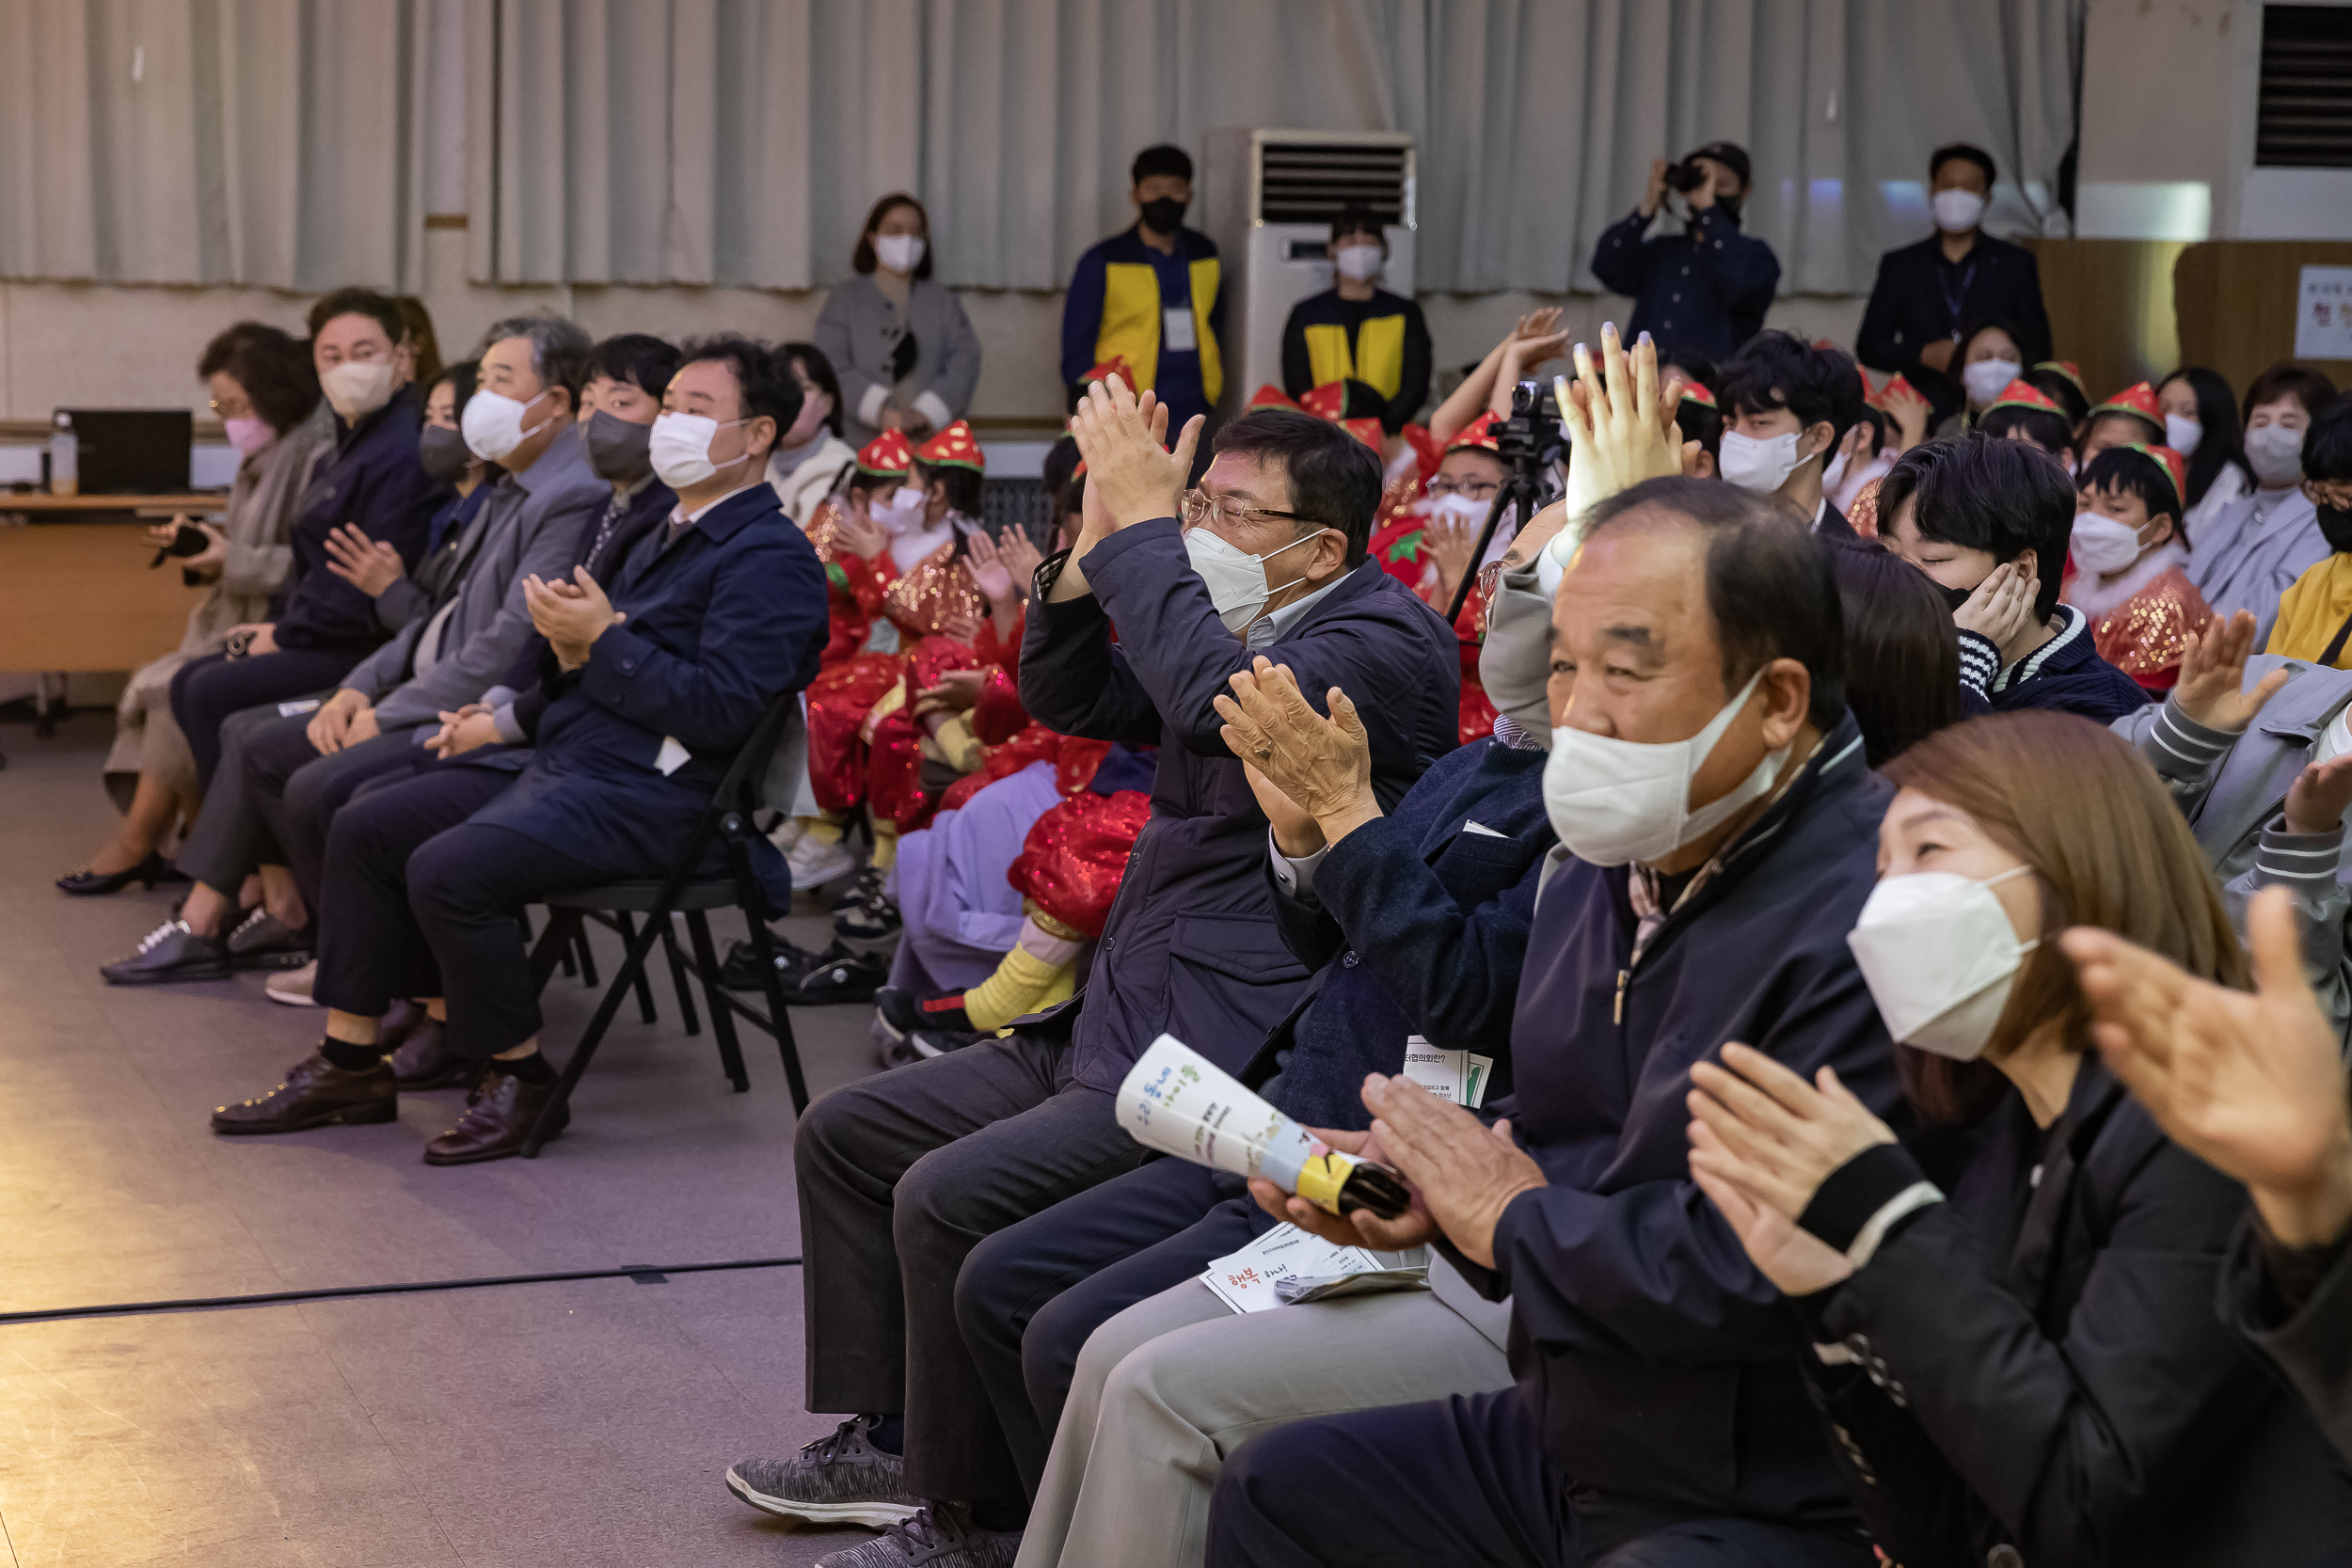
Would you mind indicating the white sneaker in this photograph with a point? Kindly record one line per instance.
(812, 863)
(293, 985)
(789, 833)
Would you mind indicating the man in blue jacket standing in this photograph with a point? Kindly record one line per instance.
(1149, 296)
(900, 1176)
(1701, 294)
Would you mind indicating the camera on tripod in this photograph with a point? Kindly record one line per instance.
(1532, 439)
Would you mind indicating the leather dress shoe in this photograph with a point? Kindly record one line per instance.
(170, 953)
(86, 884)
(261, 941)
(316, 1093)
(424, 1060)
(498, 1116)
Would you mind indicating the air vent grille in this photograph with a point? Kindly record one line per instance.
(1311, 181)
(2305, 119)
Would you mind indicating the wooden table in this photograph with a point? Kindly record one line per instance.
(36, 504)
(77, 597)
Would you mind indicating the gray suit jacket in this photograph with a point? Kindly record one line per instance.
(2234, 790)
(858, 328)
(533, 523)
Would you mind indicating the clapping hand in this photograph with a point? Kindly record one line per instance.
(959, 690)
(1323, 764)
(855, 530)
(2212, 685)
(2251, 1084)
(1123, 440)
(2001, 609)
(371, 565)
(989, 572)
(1450, 542)
(570, 615)
(2320, 796)
(1901, 402)
(1021, 557)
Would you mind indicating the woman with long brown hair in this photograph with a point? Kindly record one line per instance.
(2016, 1346)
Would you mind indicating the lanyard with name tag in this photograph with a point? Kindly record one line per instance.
(1176, 335)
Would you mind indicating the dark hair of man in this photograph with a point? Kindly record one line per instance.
(966, 487)
(381, 309)
(274, 368)
(862, 260)
(1902, 652)
(2286, 379)
(2221, 442)
(2060, 388)
(763, 382)
(1163, 159)
(463, 377)
(1770, 591)
(640, 358)
(1334, 478)
(1879, 424)
(1780, 370)
(2045, 428)
(817, 370)
(559, 349)
(424, 343)
(2004, 498)
(1966, 153)
(1354, 220)
(2122, 471)
(2328, 444)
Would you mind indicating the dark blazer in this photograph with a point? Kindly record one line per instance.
(1419, 926)
(1653, 1357)
(371, 479)
(719, 623)
(1702, 293)
(1908, 312)
(2042, 1366)
(2302, 1327)
(2065, 673)
(1190, 946)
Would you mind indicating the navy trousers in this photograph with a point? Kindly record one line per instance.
(1465, 1480)
(296, 791)
(206, 690)
(1029, 1295)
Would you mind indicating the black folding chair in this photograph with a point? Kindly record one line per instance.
(731, 817)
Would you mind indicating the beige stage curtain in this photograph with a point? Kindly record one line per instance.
(273, 142)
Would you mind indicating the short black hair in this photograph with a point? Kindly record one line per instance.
(645, 361)
(1968, 152)
(463, 376)
(2220, 442)
(819, 369)
(1702, 424)
(1880, 428)
(1976, 326)
(1163, 159)
(1769, 591)
(381, 309)
(2046, 428)
(1334, 478)
(967, 488)
(273, 367)
(2288, 379)
(1903, 651)
(1355, 218)
(2060, 388)
(1780, 370)
(2328, 444)
(764, 384)
(2004, 498)
(2129, 472)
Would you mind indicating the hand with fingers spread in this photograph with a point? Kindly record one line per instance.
(1325, 765)
(570, 615)
(2253, 1084)
(1542, 322)
(857, 533)
(2001, 609)
(989, 571)
(1760, 1128)
(1021, 557)
(1620, 430)
(1451, 542)
(1123, 440)
(2211, 690)
(371, 565)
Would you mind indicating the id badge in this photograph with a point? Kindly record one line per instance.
(1176, 335)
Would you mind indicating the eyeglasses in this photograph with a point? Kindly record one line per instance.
(1471, 489)
(1197, 506)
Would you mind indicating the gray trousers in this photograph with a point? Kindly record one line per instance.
(228, 839)
(1168, 1387)
(900, 1177)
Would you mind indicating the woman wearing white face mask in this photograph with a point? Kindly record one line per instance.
(1358, 331)
(906, 356)
(2129, 556)
(1989, 359)
(2250, 553)
(2015, 1341)
(811, 460)
(2201, 423)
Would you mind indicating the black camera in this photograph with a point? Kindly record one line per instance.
(1529, 441)
(1685, 176)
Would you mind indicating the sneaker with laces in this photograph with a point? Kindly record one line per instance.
(167, 953)
(847, 978)
(292, 986)
(813, 863)
(873, 920)
(940, 1536)
(865, 885)
(902, 1012)
(838, 1479)
(740, 972)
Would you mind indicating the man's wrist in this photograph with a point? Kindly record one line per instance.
(1337, 824)
(2314, 1216)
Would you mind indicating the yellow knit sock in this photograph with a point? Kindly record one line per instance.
(824, 830)
(885, 843)
(1022, 984)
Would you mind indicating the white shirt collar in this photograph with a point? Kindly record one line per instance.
(1269, 626)
(679, 514)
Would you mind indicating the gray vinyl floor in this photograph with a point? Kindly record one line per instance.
(575, 1423)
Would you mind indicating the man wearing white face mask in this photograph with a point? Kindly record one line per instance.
(1786, 405)
(1718, 829)
(1928, 294)
(1356, 330)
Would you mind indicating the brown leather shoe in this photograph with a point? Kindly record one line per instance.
(316, 1093)
(424, 1060)
(498, 1118)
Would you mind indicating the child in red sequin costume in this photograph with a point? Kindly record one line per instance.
(2128, 549)
(1428, 548)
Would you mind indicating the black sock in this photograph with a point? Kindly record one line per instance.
(1007, 1512)
(533, 1069)
(350, 1057)
(888, 1433)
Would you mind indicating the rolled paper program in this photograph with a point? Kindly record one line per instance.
(1178, 1102)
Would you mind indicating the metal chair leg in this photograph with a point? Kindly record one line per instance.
(633, 963)
(554, 947)
(587, 957)
(721, 1016)
(681, 981)
(747, 894)
(644, 980)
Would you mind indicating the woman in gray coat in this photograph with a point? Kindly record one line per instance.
(906, 358)
(267, 396)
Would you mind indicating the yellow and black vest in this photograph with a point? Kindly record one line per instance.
(1130, 312)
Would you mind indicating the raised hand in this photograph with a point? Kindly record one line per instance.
(1451, 542)
(2320, 796)
(1021, 557)
(1325, 765)
(1542, 322)
(1767, 1132)
(371, 565)
(2212, 685)
(2251, 1084)
(989, 572)
(1902, 404)
(1620, 432)
(857, 533)
(1119, 436)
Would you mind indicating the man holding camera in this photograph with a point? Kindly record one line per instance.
(1703, 292)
